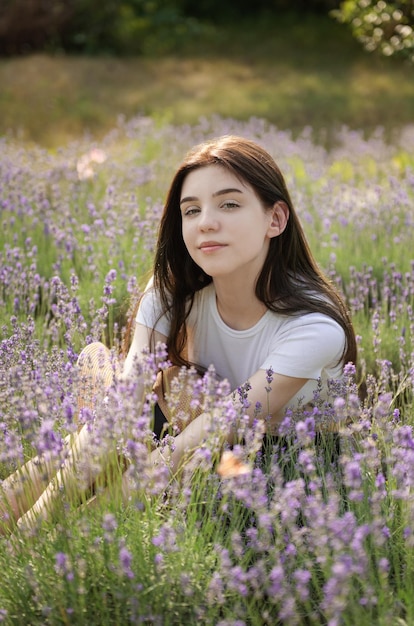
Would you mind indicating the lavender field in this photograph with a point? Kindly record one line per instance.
(310, 533)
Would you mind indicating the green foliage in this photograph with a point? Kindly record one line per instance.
(90, 26)
(160, 26)
(130, 26)
(379, 25)
(151, 27)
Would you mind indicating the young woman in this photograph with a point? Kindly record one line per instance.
(234, 285)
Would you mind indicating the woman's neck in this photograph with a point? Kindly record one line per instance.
(238, 307)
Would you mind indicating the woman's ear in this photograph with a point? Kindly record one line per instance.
(280, 217)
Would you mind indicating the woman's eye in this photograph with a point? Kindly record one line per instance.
(230, 204)
(191, 210)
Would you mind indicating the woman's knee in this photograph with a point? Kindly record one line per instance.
(98, 363)
(93, 352)
(97, 366)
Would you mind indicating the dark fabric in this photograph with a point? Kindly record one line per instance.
(330, 441)
(327, 448)
(160, 422)
(285, 452)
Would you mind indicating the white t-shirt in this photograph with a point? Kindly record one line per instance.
(303, 346)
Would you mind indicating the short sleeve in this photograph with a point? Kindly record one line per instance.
(150, 312)
(307, 346)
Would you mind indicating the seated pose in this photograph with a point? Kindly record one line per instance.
(234, 285)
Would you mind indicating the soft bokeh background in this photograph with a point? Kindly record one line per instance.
(74, 67)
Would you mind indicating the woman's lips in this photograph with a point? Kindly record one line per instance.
(211, 246)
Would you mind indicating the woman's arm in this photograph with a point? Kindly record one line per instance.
(144, 338)
(273, 401)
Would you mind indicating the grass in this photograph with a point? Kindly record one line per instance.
(293, 72)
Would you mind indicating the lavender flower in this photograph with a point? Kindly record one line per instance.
(312, 531)
(109, 525)
(125, 561)
(63, 566)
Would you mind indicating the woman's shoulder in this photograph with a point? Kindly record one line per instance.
(309, 318)
(150, 296)
(316, 319)
(151, 311)
(309, 326)
(306, 344)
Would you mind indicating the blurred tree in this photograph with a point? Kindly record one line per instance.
(216, 10)
(120, 26)
(142, 26)
(153, 26)
(91, 27)
(32, 24)
(379, 25)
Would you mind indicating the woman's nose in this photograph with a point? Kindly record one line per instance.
(208, 221)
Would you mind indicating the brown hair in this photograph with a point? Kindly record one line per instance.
(290, 281)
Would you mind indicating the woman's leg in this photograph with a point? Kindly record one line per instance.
(97, 368)
(20, 491)
(71, 479)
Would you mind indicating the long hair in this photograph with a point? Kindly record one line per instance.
(290, 281)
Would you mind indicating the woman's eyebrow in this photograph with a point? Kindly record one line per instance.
(188, 199)
(220, 192)
(223, 192)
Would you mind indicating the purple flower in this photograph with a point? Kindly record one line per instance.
(215, 592)
(125, 561)
(305, 430)
(109, 525)
(63, 566)
(166, 539)
(276, 582)
(49, 441)
(269, 375)
(403, 436)
(349, 370)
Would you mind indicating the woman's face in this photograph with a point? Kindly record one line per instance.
(225, 227)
